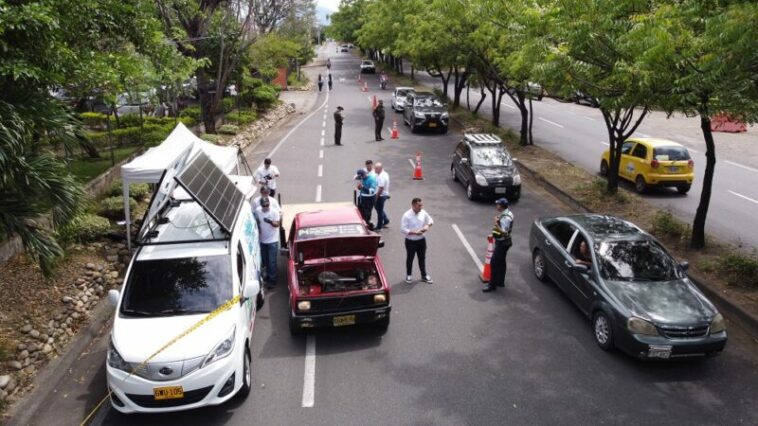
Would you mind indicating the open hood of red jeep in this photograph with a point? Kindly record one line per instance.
(324, 248)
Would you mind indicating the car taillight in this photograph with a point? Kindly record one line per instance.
(654, 164)
(691, 164)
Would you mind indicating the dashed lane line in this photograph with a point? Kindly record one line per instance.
(281, 142)
(321, 153)
(551, 122)
(745, 197)
(467, 246)
(322, 141)
(318, 193)
(309, 375)
(320, 170)
(742, 166)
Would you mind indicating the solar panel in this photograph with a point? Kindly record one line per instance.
(210, 187)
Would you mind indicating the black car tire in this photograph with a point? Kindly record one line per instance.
(639, 184)
(452, 172)
(260, 300)
(539, 266)
(603, 330)
(405, 122)
(443, 130)
(247, 376)
(382, 325)
(470, 192)
(683, 189)
(604, 168)
(294, 329)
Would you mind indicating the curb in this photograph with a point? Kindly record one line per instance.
(736, 313)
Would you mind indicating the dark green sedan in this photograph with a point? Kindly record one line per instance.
(638, 297)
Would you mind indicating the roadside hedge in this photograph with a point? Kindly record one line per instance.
(113, 207)
(84, 228)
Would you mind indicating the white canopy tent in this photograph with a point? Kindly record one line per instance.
(180, 145)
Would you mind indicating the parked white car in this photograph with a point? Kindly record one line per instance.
(368, 67)
(399, 95)
(191, 261)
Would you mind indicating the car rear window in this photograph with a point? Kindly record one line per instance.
(671, 153)
(183, 286)
(331, 231)
(490, 156)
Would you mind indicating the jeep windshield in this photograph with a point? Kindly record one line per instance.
(490, 157)
(183, 286)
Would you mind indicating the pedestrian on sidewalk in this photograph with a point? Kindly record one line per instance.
(330, 81)
(338, 119)
(414, 225)
(266, 175)
(382, 195)
(366, 194)
(501, 232)
(268, 222)
(378, 120)
(320, 82)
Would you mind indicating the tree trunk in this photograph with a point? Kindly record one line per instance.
(468, 96)
(524, 132)
(497, 97)
(461, 81)
(413, 72)
(207, 109)
(481, 99)
(531, 121)
(698, 226)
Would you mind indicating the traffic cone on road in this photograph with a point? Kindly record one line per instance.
(374, 103)
(365, 86)
(394, 134)
(418, 174)
(486, 271)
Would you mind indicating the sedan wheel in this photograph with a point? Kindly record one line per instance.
(470, 192)
(603, 331)
(639, 184)
(452, 172)
(603, 168)
(538, 262)
(247, 382)
(683, 189)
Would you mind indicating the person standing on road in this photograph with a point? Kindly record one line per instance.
(414, 225)
(266, 175)
(330, 81)
(366, 194)
(338, 119)
(382, 195)
(266, 195)
(328, 64)
(501, 232)
(320, 82)
(378, 121)
(268, 223)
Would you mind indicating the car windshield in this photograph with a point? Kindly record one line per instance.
(635, 261)
(428, 102)
(671, 153)
(368, 63)
(180, 286)
(402, 92)
(491, 156)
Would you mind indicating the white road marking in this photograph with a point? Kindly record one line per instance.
(321, 153)
(744, 197)
(309, 377)
(413, 165)
(320, 170)
(588, 118)
(468, 247)
(318, 193)
(324, 123)
(508, 106)
(740, 165)
(605, 143)
(322, 141)
(551, 122)
(276, 148)
(681, 136)
(323, 132)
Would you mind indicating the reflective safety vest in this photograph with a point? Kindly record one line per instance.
(505, 233)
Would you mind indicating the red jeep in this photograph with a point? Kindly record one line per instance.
(334, 274)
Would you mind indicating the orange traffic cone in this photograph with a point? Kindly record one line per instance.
(373, 103)
(486, 271)
(418, 174)
(365, 86)
(395, 134)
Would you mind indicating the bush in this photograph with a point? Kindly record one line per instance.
(85, 228)
(216, 139)
(265, 96)
(240, 119)
(130, 120)
(113, 207)
(99, 139)
(666, 225)
(229, 129)
(227, 104)
(94, 119)
(739, 269)
(127, 135)
(192, 113)
(138, 191)
(187, 121)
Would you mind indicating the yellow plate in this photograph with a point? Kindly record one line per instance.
(343, 320)
(432, 124)
(168, 392)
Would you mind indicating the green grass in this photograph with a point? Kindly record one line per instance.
(86, 169)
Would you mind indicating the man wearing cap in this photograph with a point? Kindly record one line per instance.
(265, 194)
(366, 194)
(378, 120)
(338, 119)
(501, 232)
(268, 223)
(266, 175)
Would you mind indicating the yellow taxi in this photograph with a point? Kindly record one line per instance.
(651, 162)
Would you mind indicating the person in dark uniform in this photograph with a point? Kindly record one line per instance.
(502, 234)
(338, 118)
(320, 82)
(378, 121)
(329, 80)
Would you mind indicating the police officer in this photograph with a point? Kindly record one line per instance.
(338, 119)
(501, 232)
(366, 194)
(378, 121)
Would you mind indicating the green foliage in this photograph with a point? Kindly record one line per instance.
(126, 135)
(265, 96)
(240, 118)
(85, 228)
(98, 139)
(94, 119)
(113, 207)
(229, 129)
(216, 139)
(666, 225)
(129, 120)
(271, 52)
(737, 269)
(138, 191)
(86, 169)
(227, 104)
(192, 113)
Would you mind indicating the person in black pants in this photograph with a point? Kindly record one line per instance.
(414, 225)
(329, 80)
(338, 118)
(502, 234)
(378, 121)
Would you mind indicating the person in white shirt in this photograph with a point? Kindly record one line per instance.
(265, 193)
(266, 175)
(414, 225)
(382, 195)
(268, 223)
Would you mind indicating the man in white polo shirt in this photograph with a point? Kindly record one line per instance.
(266, 175)
(382, 195)
(414, 225)
(268, 223)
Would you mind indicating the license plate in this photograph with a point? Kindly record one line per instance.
(500, 190)
(673, 169)
(343, 320)
(659, 351)
(432, 124)
(168, 392)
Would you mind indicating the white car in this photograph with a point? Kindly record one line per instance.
(192, 260)
(368, 67)
(398, 97)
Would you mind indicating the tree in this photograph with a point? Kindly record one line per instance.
(346, 21)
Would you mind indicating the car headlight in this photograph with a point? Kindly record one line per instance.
(380, 298)
(115, 360)
(481, 180)
(445, 116)
(419, 114)
(304, 305)
(221, 350)
(640, 326)
(517, 179)
(718, 324)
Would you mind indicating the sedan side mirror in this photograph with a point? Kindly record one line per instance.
(684, 265)
(251, 290)
(113, 296)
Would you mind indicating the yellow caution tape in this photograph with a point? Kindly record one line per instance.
(189, 330)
